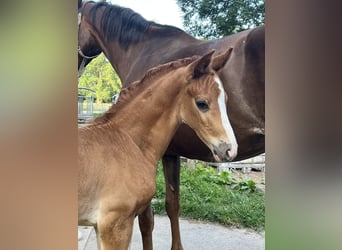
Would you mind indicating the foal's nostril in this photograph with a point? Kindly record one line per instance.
(229, 151)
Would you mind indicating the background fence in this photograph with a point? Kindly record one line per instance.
(87, 108)
(254, 163)
(100, 108)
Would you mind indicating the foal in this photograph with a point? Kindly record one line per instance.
(118, 154)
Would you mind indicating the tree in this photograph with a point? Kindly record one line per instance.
(100, 76)
(217, 18)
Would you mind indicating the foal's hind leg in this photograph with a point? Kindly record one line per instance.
(146, 225)
(171, 166)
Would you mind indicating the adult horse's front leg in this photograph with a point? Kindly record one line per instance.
(146, 224)
(171, 166)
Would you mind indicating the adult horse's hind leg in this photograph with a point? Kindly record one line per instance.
(171, 166)
(146, 225)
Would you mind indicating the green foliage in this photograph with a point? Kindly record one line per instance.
(216, 197)
(216, 18)
(100, 76)
(245, 185)
(210, 175)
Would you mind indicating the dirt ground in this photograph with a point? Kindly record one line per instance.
(258, 176)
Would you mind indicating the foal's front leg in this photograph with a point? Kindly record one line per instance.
(146, 224)
(114, 232)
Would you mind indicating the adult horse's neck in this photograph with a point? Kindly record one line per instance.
(159, 46)
(126, 58)
(131, 63)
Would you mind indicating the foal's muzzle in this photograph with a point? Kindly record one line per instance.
(224, 152)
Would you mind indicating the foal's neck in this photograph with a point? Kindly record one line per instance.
(152, 117)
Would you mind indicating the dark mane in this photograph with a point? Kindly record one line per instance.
(135, 88)
(124, 24)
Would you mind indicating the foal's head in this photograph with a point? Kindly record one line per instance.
(204, 108)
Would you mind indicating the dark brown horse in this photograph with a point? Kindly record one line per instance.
(134, 45)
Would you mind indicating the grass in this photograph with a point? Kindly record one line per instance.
(216, 197)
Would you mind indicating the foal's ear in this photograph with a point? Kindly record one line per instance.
(200, 66)
(219, 61)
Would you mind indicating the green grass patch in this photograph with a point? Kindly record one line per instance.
(216, 197)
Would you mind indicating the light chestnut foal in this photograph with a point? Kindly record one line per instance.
(118, 154)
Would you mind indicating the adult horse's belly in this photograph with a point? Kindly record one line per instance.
(186, 143)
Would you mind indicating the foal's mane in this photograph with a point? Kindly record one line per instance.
(125, 25)
(137, 87)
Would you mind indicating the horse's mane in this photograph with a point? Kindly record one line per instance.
(136, 87)
(124, 24)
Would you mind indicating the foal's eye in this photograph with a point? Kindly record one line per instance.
(202, 105)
